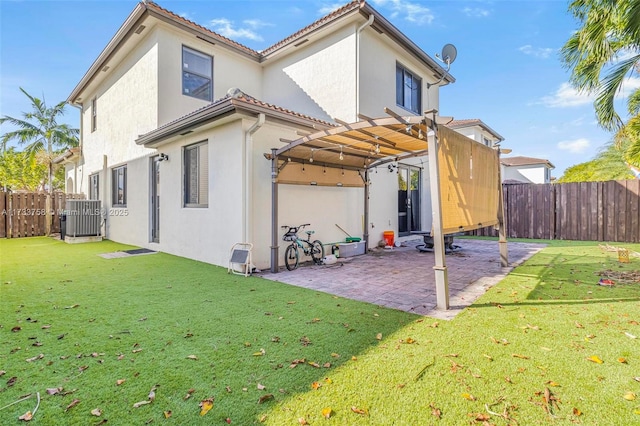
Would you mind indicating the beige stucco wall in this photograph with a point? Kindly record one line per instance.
(127, 105)
(229, 70)
(527, 174)
(317, 79)
(378, 58)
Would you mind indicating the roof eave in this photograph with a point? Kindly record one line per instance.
(217, 111)
(395, 34)
(116, 41)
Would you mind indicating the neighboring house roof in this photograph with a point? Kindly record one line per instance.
(525, 161)
(68, 156)
(231, 103)
(470, 122)
(143, 9)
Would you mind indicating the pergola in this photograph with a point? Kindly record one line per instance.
(342, 156)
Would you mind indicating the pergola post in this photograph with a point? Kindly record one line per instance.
(365, 235)
(274, 211)
(440, 268)
(502, 232)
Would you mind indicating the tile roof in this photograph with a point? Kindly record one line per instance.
(356, 4)
(159, 9)
(465, 122)
(524, 161)
(223, 105)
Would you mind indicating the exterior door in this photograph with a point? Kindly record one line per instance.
(408, 199)
(155, 199)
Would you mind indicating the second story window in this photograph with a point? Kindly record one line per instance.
(408, 90)
(197, 72)
(94, 114)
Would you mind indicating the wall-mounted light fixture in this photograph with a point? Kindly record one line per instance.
(163, 157)
(392, 167)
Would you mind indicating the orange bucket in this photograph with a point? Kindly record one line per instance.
(388, 238)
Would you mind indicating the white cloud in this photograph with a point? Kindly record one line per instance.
(475, 12)
(538, 52)
(225, 27)
(576, 146)
(566, 96)
(410, 11)
(328, 8)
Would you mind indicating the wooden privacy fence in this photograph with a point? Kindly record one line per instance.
(585, 211)
(26, 214)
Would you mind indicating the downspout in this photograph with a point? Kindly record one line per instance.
(358, 31)
(247, 233)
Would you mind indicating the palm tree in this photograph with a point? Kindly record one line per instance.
(42, 133)
(601, 55)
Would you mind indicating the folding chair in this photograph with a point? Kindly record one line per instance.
(240, 257)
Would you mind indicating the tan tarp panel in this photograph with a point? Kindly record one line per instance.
(311, 174)
(468, 182)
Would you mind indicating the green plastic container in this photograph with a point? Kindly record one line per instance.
(353, 239)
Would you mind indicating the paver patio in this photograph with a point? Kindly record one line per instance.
(402, 278)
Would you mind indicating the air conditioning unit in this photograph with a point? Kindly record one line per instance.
(83, 218)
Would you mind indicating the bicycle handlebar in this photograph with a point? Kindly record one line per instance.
(295, 227)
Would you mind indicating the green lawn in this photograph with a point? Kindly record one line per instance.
(187, 328)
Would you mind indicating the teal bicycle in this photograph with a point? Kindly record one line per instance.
(315, 249)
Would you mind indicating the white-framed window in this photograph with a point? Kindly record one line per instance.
(197, 74)
(119, 186)
(408, 90)
(94, 186)
(196, 175)
(94, 114)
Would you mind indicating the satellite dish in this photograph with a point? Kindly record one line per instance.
(449, 53)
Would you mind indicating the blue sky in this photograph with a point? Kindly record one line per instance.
(508, 70)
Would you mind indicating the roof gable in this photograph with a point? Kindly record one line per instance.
(147, 8)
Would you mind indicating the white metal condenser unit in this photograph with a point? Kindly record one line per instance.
(83, 218)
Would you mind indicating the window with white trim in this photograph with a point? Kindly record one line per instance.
(94, 114)
(119, 186)
(197, 72)
(408, 90)
(196, 175)
(94, 186)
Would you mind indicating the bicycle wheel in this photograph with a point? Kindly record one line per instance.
(317, 252)
(291, 257)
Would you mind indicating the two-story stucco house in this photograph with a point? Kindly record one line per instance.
(525, 169)
(176, 121)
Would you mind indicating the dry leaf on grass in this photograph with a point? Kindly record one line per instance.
(206, 405)
(596, 359)
(358, 410)
(576, 412)
(96, 412)
(26, 416)
(520, 356)
(327, 412)
(53, 391)
(141, 403)
(435, 411)
(302, 421)
(189, 393)
(167, 414)
(72, 404)
(120, 381)
(35, 358)
(315, 385)
(265, 398)
(379, 336)
(468, 396)
(193, 357)
(629, 396)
